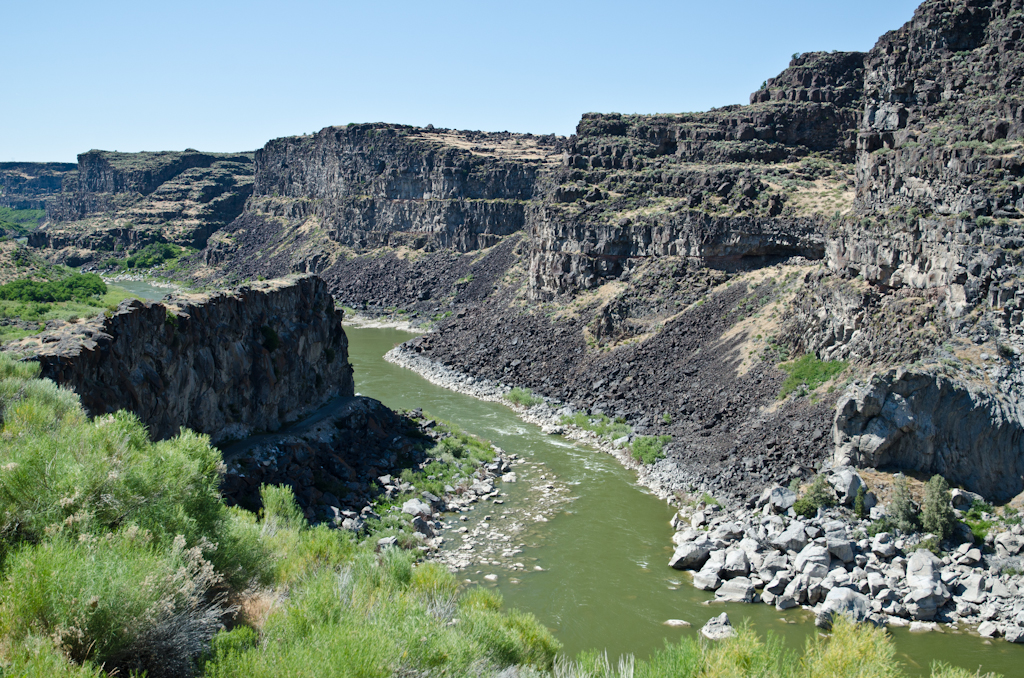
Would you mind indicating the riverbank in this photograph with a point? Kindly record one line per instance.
(549, 418)
(824, 565)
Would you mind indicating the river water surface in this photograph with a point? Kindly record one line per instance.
(605, 581)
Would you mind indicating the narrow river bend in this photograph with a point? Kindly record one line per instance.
(603, 581)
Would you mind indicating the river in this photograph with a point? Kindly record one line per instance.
(605, 582)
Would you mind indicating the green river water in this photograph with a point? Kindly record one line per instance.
(605, 582)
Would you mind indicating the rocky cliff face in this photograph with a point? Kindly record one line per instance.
(27, 185)
(225, 364)
(933, 424)
(121, 202)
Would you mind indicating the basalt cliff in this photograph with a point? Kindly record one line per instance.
(226, 364)
(862, 207)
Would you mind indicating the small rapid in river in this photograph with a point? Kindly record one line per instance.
(595, 570)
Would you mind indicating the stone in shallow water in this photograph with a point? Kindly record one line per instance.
(718, 628)
(676, 622)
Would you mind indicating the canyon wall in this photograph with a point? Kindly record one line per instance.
(225, 364)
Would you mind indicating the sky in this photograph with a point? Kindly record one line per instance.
(229, 76)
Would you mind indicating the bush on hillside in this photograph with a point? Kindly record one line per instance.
(78, 287)
(809, 373)
(649, 449)
(937, 515)
(818, 495)
(153, 255)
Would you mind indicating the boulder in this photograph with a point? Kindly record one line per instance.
(417, 507)
(1013, 634)
(1008, 544)
(843, 601)
(726, 532)
(718, 628)
(706, 581)
(988, 629)
(793, 539)
(736, 565)
(785, 602)
(781, 499)
(689, 556)
(974, 589)
(841, 549)
(810, 556)
(845, 482)
(773, 564)
(927, 592)
(738, 590)
(962, 499)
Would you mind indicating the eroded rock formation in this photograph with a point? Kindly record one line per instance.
(225, 364)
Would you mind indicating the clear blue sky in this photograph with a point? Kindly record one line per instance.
(228, 76)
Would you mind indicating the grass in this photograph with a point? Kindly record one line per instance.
(40, 312)
(807, 373)
(19, 221)
(649, 449)
(523, 397)
(599, 424)
(979, 526)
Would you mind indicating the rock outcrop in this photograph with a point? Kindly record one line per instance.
(121, 202)
(27, 185)
(225, 364)
(932, 424)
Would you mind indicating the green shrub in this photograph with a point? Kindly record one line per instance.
(883, 524)
(937, 514)
(113, 599)
(523, 397)
(902, 509)
(649, 449)
(80, 286)
(809, 373)
(859, 508)
(818, 495)
(976, 521)
(153, 255)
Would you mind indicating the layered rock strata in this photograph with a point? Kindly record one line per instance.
(225, 364)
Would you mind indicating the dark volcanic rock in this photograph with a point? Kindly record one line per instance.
(223, 364)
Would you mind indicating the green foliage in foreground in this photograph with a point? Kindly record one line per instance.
(523, 397)
(80, 286)
(649, 449)
(818, 495)
(119, 552)
(850, 651)
(808, 373)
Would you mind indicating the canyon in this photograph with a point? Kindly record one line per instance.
(658, 269)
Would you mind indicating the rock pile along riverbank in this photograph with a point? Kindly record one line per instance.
(347, 468)
(829, 564)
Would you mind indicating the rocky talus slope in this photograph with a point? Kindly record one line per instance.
(225, 364)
